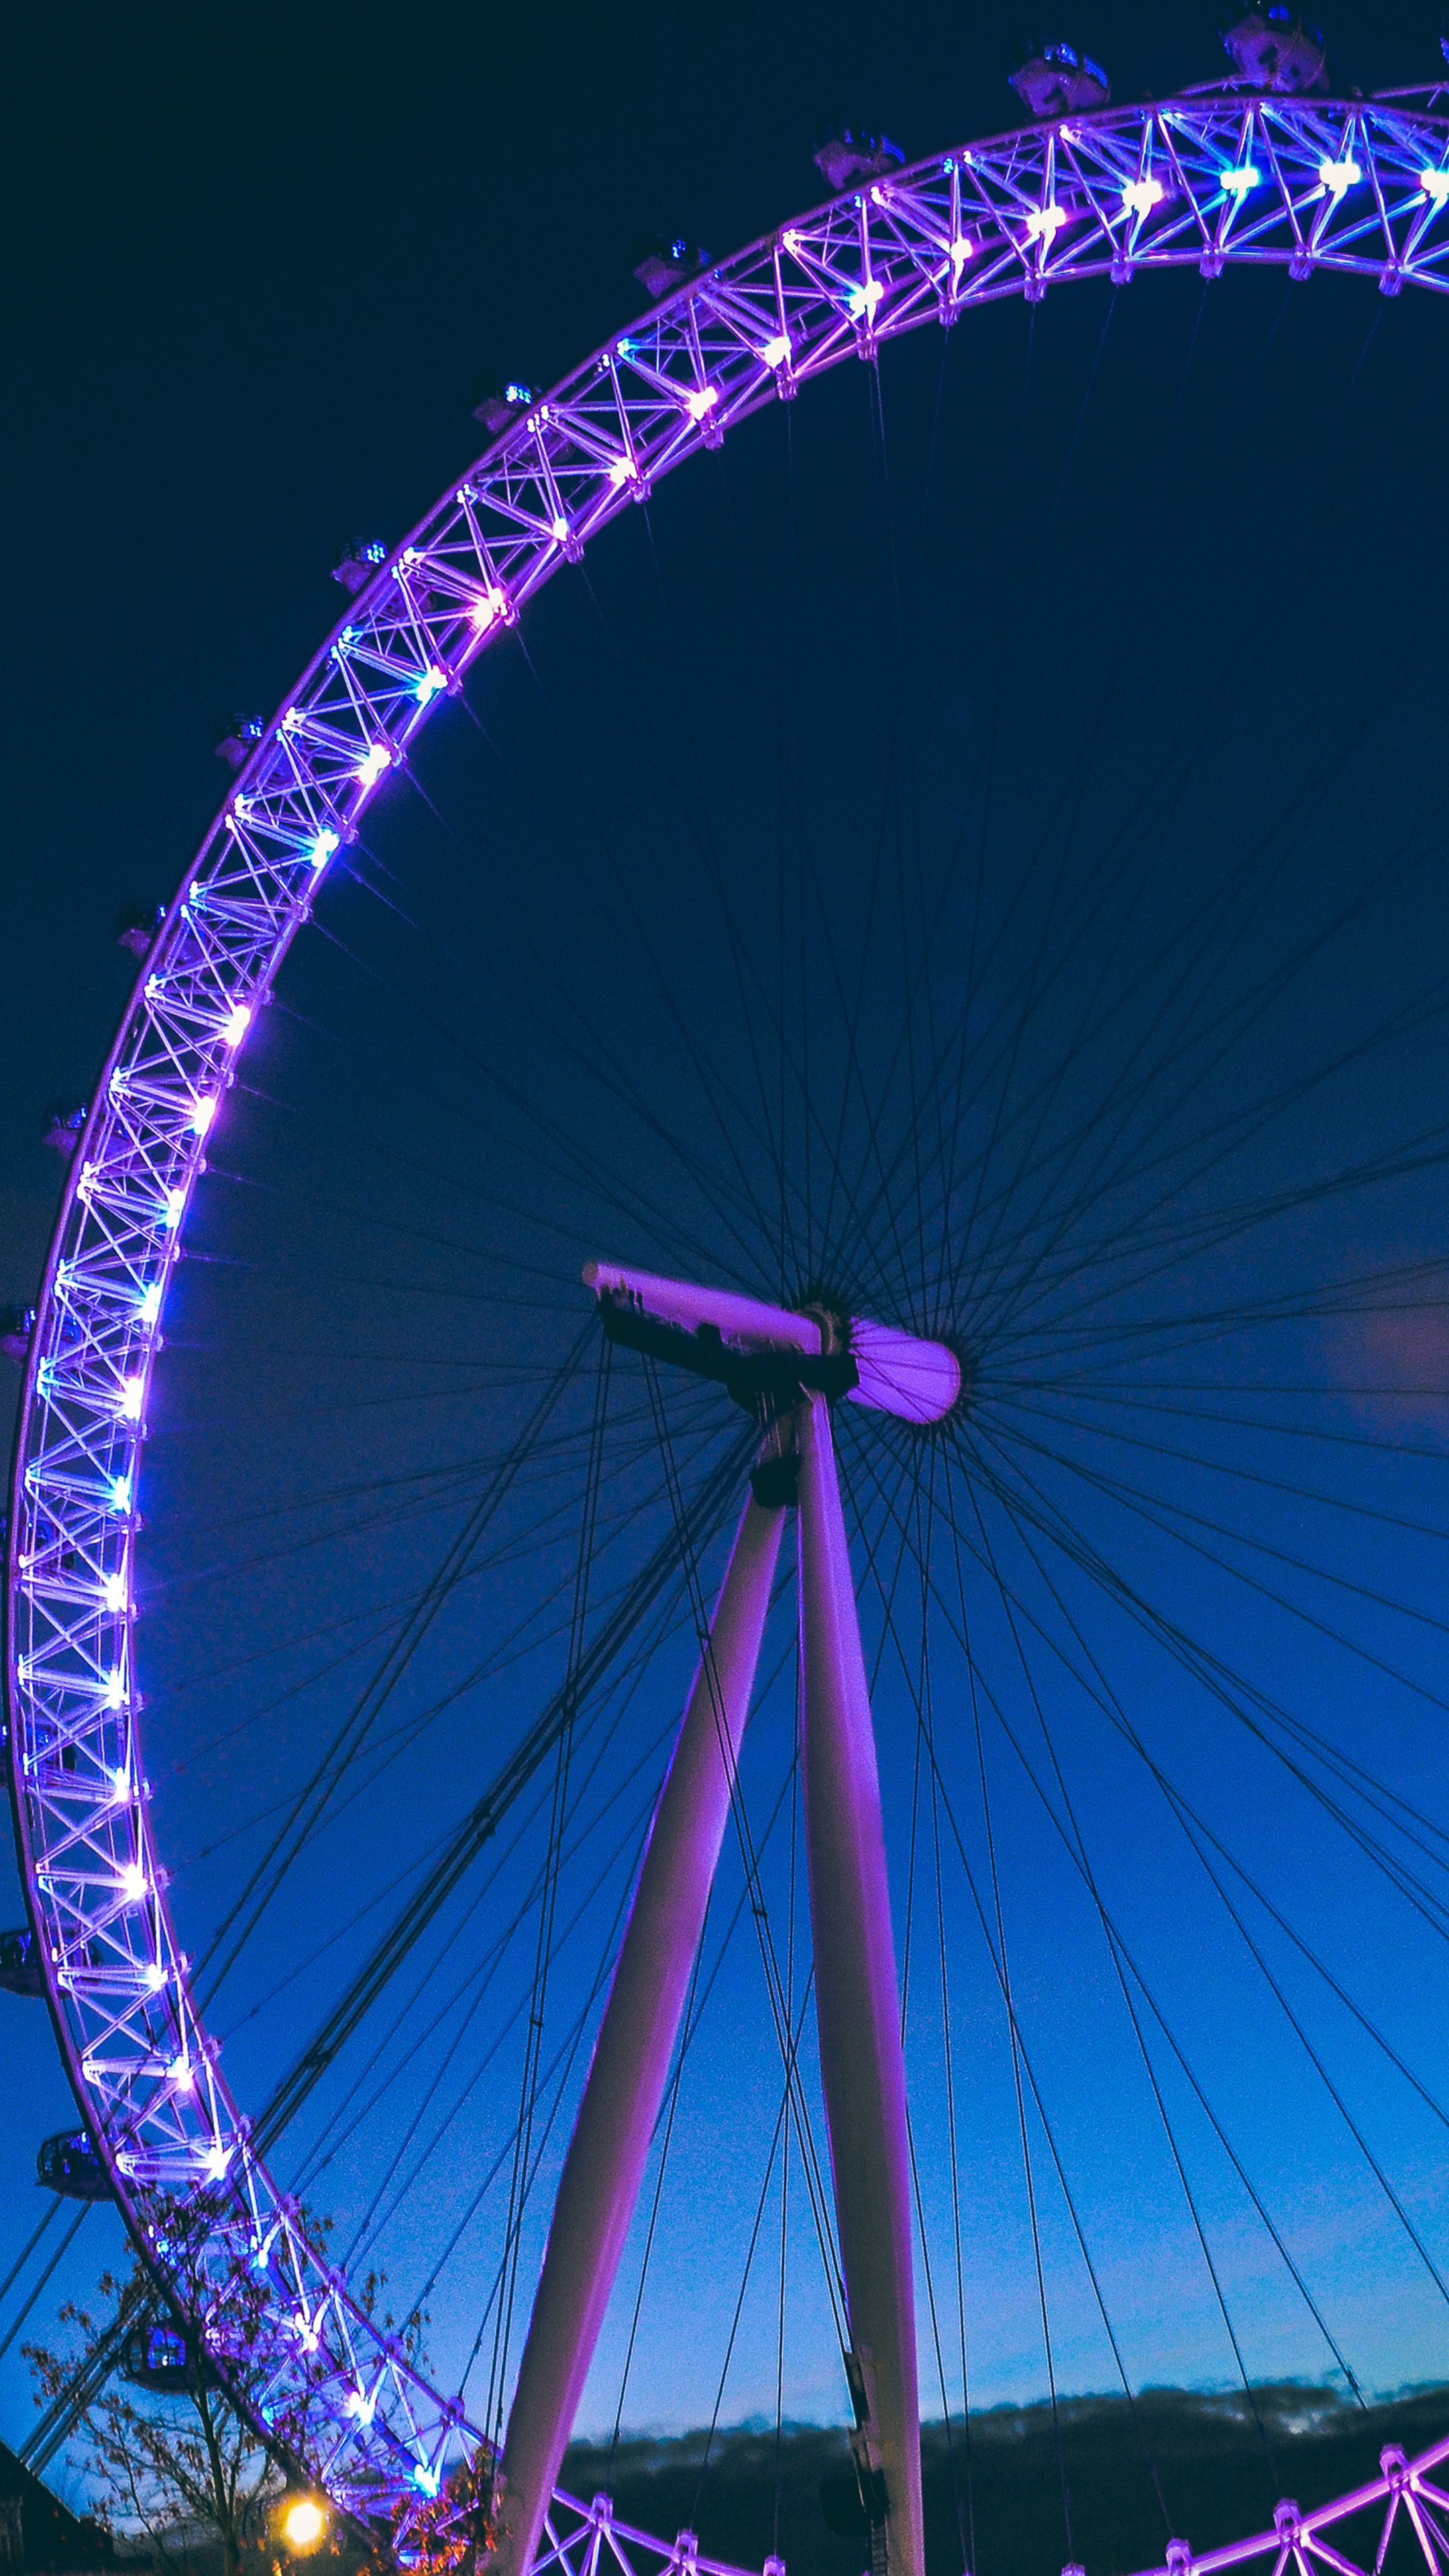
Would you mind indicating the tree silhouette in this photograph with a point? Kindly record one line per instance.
(166, 2457)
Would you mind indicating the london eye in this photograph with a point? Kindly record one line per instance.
(729, 1509)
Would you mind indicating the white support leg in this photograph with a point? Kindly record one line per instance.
(606, 2159)
(857, 1995)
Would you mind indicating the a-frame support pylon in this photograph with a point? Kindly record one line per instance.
(783, 1356)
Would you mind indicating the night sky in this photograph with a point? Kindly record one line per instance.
(1088, 669)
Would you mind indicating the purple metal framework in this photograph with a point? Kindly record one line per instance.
(1299, 2545)
(858, 2002)
(615, 2126)
(586, 2541)
(1202, 180)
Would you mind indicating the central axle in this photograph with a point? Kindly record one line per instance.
(773, 1356)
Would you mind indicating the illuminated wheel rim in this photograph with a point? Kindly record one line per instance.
(1201, 181)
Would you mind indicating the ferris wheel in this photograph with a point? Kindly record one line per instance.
(950, 1233)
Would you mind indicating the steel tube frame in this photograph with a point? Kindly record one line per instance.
(858, 2010)
(626, 2080)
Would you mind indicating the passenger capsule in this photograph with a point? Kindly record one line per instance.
(663, 264)
(358, 562)
(1055, 80)
(1275, 49)
(20, 1963)
(68, 2163)
(498, 401)
(849, 152)
(159, 2357)
(62, 1125)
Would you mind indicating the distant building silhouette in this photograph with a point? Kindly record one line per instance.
(39, 2536)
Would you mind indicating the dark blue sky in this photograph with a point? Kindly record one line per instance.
(1138, 609)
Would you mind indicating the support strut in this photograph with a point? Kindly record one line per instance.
(858, 2002)
(626, 2081)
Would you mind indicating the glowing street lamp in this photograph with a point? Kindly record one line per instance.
(303, 2524)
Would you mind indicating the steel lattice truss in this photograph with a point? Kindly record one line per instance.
(1299, 2543)
(1202, 180)
(585, 2540)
